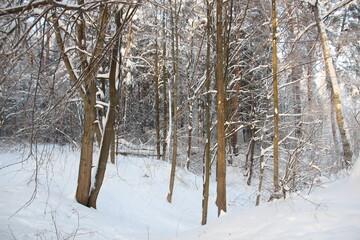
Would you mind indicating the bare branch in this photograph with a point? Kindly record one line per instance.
(25, 7)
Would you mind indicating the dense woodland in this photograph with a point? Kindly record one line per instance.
(271, 87)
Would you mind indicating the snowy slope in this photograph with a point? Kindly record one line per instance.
(132, 204)
(329, 213)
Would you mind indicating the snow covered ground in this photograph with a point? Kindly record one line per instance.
(132, 204)
(329, 213)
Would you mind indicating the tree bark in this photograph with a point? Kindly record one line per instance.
(262, 150)
(164, 80)
(220, 112)
(207, 166)
(276, 100)
(86, 156)
(190, 130)
(88, 98)
(156, 81)
(175, 54)
(250, 156)
(234, 138)
(110, 119)
(335, 96)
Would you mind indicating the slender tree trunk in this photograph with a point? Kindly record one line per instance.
(190, 129)
(276, 100)
(164, 81)
(296, 71)
(261, 178)
(189, 103)
(175, 54)
(47, 52)
(250, 156)
(157, 98)
(123, 90)
(227, 17)
(262, 152)
(220, 111)
(200, 109)
(234, 138)
(207, 166)
(336, 102)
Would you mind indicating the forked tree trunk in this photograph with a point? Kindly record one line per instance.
(220, 112)
(87, 140)
(88, 98)
(336, 102)
(109, 121)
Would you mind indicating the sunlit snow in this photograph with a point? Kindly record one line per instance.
(132, 204)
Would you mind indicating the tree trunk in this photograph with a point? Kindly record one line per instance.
(336, 102)
(123, 89)
(250, 156)
(296, 71)
(234, 138)
(190, 129)
(109, 122)
(261, 178)
(89, 99)
(207, 166)
(262, 152)
(157, 100)
(164, 80)
(220, 112)
(86, 156)
(175, 54)
(97, 132)
(201, 131)
(276, 100)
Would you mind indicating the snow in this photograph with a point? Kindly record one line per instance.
(329, 213)
(132, 203)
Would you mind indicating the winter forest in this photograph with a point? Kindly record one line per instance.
(148, 110)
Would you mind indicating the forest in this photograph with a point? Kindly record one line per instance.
(267, 89)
